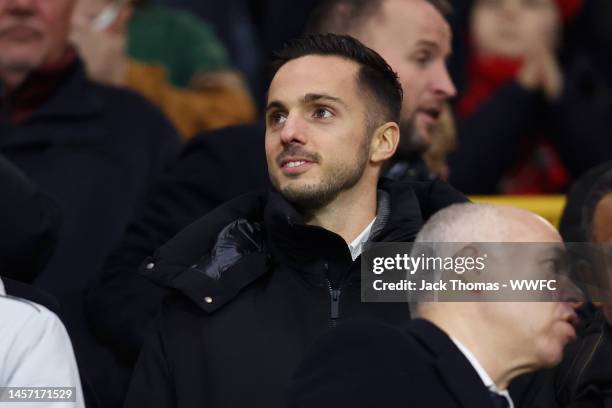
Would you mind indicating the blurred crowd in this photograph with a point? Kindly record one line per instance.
(124, 122)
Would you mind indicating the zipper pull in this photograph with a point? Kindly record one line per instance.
(335, 304)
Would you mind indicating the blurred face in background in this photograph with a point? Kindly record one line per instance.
(509, 28)
(33, 32)
(415, 40)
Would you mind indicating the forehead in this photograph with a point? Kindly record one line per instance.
(314, 74)
(410, 21)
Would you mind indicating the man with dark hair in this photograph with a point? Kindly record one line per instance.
(123, 304)
(261, 277)
(414, 38)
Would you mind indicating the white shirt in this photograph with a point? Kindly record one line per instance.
(356, 247)
(486, 379)
(35, 351)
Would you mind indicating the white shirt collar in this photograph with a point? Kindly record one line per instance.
(482, 373)
(2, 290)
(357, 245)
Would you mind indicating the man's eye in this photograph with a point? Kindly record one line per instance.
(423, 57)
(277, 117)
(322, 113)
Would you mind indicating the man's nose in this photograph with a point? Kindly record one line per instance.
(570, 292)
(293, 130)
(443, 84)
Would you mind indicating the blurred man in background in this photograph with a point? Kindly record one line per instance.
(413, 36)
(94, 149)
(169, 56)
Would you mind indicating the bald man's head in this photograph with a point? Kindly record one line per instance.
(487, 223)
(499, 234)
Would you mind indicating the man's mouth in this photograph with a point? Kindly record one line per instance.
(432, 113)
(573, 320)
(292, 165)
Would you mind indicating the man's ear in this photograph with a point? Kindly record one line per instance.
(384, 142)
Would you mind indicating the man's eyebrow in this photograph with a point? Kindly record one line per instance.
(428, 43)
(275, 105)
(310, 98)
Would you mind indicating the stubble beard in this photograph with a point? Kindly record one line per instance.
(412, 142)
(318, 195)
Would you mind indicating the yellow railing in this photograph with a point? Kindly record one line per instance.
(549, 207)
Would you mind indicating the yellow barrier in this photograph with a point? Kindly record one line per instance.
(549, 207)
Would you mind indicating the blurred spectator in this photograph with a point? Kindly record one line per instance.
(169, 56)
(251, 30)
(528, 120)
(413, 36)
(94, 149)
(583, 379)
(581, 203)
(35, 350)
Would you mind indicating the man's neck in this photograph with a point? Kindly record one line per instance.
(502, 361)
(348, 215)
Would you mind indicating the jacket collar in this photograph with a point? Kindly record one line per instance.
(73, 99)
(57, 92)
(288, 240)
(450, 363)
(398, 219)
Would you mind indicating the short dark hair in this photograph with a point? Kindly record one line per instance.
(375, 76)
(344, 16)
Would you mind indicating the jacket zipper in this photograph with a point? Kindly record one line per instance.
(334, 295)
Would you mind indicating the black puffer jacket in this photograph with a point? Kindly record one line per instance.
(254, 287)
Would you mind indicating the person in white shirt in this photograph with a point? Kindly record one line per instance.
(35, 354)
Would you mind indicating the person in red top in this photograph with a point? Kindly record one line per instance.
(530, 117)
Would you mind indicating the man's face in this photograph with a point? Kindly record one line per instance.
(415, 40)
(33, 32)
(540, 330)
(317, 145)
(510, 27)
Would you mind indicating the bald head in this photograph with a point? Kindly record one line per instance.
(486, 223)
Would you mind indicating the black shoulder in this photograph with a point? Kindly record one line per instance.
(212, 260)
(435, 195)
